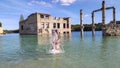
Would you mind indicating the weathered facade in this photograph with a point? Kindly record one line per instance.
(40, 23)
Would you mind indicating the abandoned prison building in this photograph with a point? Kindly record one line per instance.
(40, 23)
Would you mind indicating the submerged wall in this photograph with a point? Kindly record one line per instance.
(112, 30)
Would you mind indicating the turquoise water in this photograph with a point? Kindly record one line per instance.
(88, 52)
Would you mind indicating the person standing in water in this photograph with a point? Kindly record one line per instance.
(56, 47)
(56, 40)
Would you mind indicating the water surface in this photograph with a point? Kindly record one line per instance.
(30, 51)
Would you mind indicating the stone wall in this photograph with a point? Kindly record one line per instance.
(1, 30)
(43, 22)
(112, 30)
(40, 23)
(29, 26)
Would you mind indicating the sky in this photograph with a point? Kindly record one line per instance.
(10, 10)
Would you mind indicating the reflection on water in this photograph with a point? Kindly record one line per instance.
(30, 51)
(110, 52)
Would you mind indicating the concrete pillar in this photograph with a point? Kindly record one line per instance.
(69, 22)
(103, 12)
(81, 22)
(66, 25)
(103, 17)
(50, 24)
(114, 15)
(93, 25)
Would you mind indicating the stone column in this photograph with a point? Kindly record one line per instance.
(114, 15)
(93, 25)
(103, 17)
(66, 25)
(69, 22)
(103, 12)
(81, 22)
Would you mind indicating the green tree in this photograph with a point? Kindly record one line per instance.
(87, 27)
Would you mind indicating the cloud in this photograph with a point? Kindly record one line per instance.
(67, 2)
(55, 1)
(11, 9)
(42, 3)
(86, 15)
(64, 2)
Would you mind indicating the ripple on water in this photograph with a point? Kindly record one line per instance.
(30, 51)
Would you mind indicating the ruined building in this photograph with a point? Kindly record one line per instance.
(40, 23)
(1, 30)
